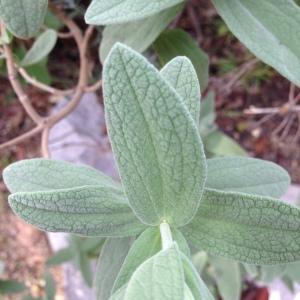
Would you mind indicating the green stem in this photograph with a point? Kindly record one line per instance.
(166, 235)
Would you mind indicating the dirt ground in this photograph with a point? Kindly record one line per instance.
(276, 137)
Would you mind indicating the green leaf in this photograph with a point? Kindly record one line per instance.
(293, 271)
(84, 265)
(110, 262)
(207, 115)
(176, 42)
(248, 228)
(181, 74)
(138, 35)
(119, 294)
(247, 175)
(60, 257)
(228, 278)
(145, 246)
(41, 48)
(23, 17)
(45, 174)
(11, 287)
(270, 273)
(194, 282)
(270, 38)
(187, 293)
(50, 286)
(87, 210)
(219, 144)
(160, 277)
(154, 139)
(107, 12)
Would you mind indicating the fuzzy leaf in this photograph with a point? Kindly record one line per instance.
(138, 35)
(106, 12)
(61, 257)
(154, 139)
(160, 277)
(181, 74)
(247, 175)
(87, 210)
(194, 282)
(145, 246)
(23, 17)
(187, 293)
(110, 262)
(46, 174)
(248, 228)
(271, 37)
(176, 42)
(228, 278)
(41, 48)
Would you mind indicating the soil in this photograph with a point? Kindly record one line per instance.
(25, 249)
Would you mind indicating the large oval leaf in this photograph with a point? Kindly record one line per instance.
(181, 74)
(87, 210)
(23, 17)
(160, 277)
(106, 12)
(41, 48)
(268, 29)
(247, 228)
(155, 140)
(32, 175)
(247, 175)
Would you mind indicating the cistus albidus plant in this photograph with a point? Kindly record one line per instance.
(170, 196)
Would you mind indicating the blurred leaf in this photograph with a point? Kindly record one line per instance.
(84, 265)
(52, 21)
(270, 23)
(228, 277)
(60, 257)
(40, 72)
(138, 35)
(219, 144)
(109, 264)
(50, 287)
(42, 46)
(269, 273)
(176, 42)
(207, 115)
(11, 287)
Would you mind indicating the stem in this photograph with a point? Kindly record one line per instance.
(166, 235)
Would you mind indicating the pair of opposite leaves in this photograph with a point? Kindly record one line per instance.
(163, 170)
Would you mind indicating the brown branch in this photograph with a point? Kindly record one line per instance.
(22, 137)
(12, 76)
(45, 143)
(93, 88)
(42, 86)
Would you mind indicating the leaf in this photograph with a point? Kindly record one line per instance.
(11, 287)
(144, 247)
(270, 38)
(160, 277)
(23, 17)
(60, 257)
(207, 115)
(219, 144)
(176, 42)
(293, 271)
(44, 174)
(187, 293)
(119, 294)
(154, 139)
(41, 48)
(110, 262)
(194, 282)
(247, 228)
(247, 175)
(228, 278)
(107, 12)
(138, 35)
(87, 210)
(181, 75)
(50, 286)
(270, 273)
(84, 265)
